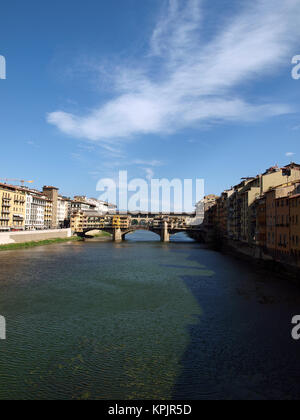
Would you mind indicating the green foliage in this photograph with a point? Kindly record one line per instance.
(23, 245)
(102, 234)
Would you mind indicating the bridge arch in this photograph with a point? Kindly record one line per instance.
(87, 232)
(141, 229)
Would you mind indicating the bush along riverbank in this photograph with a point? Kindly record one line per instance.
(102, 234)
(32, 244)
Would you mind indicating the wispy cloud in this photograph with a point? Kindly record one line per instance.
(152, 163)
(290, 154)
(185, 81)
(32, 144)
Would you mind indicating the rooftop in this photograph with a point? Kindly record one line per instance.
(11, 187)
(49, 187)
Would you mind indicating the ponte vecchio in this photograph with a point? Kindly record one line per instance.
(119, 225)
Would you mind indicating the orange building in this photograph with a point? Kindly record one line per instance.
(282, 227)
(278, 219)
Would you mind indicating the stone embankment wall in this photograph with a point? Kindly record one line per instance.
(286, 267)
(29, 236)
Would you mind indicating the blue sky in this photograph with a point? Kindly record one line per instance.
(188, 89)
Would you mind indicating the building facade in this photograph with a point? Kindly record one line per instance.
(261, 212)
(52, 194)
(295, 227)
(62, 217)
(35, 211)
(13, 208)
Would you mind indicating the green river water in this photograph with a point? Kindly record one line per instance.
(144, 320)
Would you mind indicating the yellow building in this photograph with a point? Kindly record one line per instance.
(122, 222)
(76, 222)
(81, 221)
(12, 208)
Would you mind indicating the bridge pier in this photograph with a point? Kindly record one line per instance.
(165, 236)
(117, 235)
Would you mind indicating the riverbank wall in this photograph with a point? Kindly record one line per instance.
(7, 238)
(287, 268)
(282, 265)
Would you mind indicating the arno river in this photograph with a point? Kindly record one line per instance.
(144, 320)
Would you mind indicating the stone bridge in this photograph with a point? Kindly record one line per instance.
(119, 225)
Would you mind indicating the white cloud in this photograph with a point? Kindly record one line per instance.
(147, 162)
(185, 81)
(290, 154)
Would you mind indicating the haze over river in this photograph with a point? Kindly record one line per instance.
(144, 320)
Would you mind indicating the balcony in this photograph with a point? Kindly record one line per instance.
(18, 217)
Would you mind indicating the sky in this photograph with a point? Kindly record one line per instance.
(160, 88)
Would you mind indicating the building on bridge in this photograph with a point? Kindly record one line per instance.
(119, 225)
(88, 220)
(121, 221)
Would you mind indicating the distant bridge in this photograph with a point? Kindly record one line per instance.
(119, 225)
